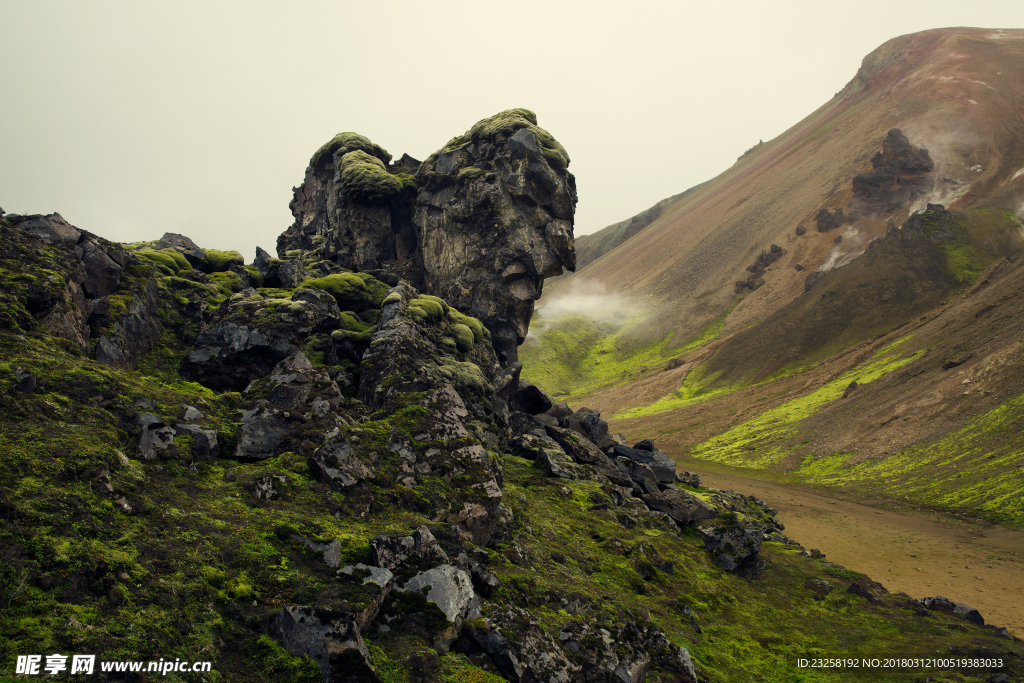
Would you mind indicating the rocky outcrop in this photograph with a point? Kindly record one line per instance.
(827, 220)
(731, 546)
(900, 173)
(331, 640)
(625, 654)
(757, 268)
(481, 223)
(253, 332)
(941, 604)
(106, 303)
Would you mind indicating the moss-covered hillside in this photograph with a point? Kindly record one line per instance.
(147, 515)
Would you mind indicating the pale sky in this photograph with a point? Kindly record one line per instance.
(135, 118)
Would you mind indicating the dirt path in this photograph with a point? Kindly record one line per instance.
(907, 550)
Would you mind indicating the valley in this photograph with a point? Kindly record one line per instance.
(908, 549)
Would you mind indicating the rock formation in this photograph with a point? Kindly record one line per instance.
(900, 173)
(498, 199)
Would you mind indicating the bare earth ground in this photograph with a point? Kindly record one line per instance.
(914, 552)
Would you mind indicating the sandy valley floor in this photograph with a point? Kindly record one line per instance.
(907, 550)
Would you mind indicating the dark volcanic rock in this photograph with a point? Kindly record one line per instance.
(626, 654)
(732, 546)
(642, 456)
(135, 331)
(330, 639)
(589, 423)
(509, 175)
(946, 605)
(184, 246)
(520, 650)
(253, 333)
(530, 399)
(102, 273)
(682, 506)
(900, 173)
(820, 588)
(52, 228)
(484, 580)
(555, 463)
(826, 220)
(857, 589)
(420, 550)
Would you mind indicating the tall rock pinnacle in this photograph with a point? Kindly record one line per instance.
(481, 223)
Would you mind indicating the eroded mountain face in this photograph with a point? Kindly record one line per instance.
(498, 199)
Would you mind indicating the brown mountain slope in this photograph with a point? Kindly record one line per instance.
(943, 426)
(956, 92)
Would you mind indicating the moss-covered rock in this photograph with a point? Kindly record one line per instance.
(364, 178)
(343, 143)
(169, 261)
(220, 261)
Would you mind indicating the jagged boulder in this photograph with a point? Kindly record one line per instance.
(731, 546)
(295, 397)
(520, 650)
(253, 333)
(530, 399)
(192, 252)
(451, 590)
(901, 172)
(52, 227)
(625, 654)
(965, 612)
(682, 506)
(555, 463)
(589, 423)
(420, 550)
(329, 638)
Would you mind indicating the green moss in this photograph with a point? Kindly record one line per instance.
(470, 173)
(767, 438)
(409, 184)
(975, 468)
(575, 354)
(255, 275)
(227, 283)
(351, 290)
(448, 345)
(169, 261)
(552, 150)
(348, 142)
(353, 336)
(479, 331)
(220, 261)
(276, 293)
(426, 309)
(464, 374)
(365, 179)
(349, 321)
(502, 126)
(463, 337)
(277, 660)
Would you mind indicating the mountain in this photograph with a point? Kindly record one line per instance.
(322, 466)
(827, 306)
(954, 92)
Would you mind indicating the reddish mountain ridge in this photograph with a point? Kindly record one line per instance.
(956, 92)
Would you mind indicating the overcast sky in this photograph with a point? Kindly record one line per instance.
(135, 118)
